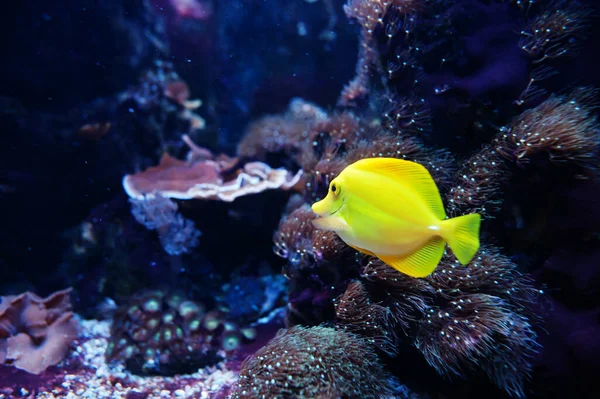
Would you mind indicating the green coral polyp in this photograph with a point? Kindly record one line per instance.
(140, 335)
(231, 341)
(167, 335)
(229, 326)
(152, 306)
(187, 309)
(211, 322)
(153, 323)
(194, 325)
(171, 334)
(168, 318)
(175, 300)
(128, 353)
(249, 333)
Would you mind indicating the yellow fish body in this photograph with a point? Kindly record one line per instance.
(391, 208)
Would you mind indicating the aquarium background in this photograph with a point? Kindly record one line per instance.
(157, 163)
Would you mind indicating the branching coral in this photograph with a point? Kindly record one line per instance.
(480, 332)
(36, 333)
(317, 362)
(293, 239)
(558, 31)
(177, 234)
(158, 333)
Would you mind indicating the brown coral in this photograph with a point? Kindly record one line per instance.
(556, 32)
(564, 127)
(221, 178)
(304, 246)
(478, 183)
(291, 133)
(463, 319)
(36, 333)
(317, 362)
(355, 313)
(293, 239)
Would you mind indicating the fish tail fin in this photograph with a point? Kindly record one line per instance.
(462, 235)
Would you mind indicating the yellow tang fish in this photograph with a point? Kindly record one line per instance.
(391, 208)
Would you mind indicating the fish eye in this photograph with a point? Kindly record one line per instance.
(334, 188)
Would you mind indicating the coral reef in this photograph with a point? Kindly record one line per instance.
(140, 196)
(389, 308)
(317, 362)
(158, 333)
(465, 321)
(36, 333)
(557, 31)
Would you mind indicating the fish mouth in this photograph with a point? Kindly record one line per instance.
(315, 208)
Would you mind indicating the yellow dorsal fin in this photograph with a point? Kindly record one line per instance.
(420, 263)
(410, 174)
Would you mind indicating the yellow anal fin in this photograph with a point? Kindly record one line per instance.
(420, 263)
(364, 251)
(410, 174)
(330, 223)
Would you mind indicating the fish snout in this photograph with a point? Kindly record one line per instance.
(318, 207)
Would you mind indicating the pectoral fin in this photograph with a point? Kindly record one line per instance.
(330, 223)
(420, 263)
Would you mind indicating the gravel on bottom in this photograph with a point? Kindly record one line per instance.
(86, 375)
